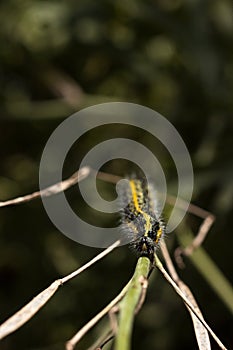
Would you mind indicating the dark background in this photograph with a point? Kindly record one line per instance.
(57, 57)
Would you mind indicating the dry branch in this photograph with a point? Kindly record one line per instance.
(77, 337)
(51, 190)
(192, 308)
(200, 331)
(28, 311)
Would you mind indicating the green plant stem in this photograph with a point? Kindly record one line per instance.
(129, 305)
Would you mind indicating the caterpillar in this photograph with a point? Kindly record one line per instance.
(139, 218)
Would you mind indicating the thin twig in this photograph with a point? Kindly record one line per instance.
(51, 190)
(196, 242)
(208, 268)
(113, 318)
(29, 310)
(102, 340)
(108, 177)
(144, 283)
(200, 331)
(76, 338)
(187, 302)
(168, 260)
(91, 262)
(204, 228)
(106, 341)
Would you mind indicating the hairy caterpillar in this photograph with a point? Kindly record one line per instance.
(139, 218)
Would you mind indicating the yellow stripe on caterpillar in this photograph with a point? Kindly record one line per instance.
(139, 219)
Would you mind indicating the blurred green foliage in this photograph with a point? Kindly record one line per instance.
(174, 56)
